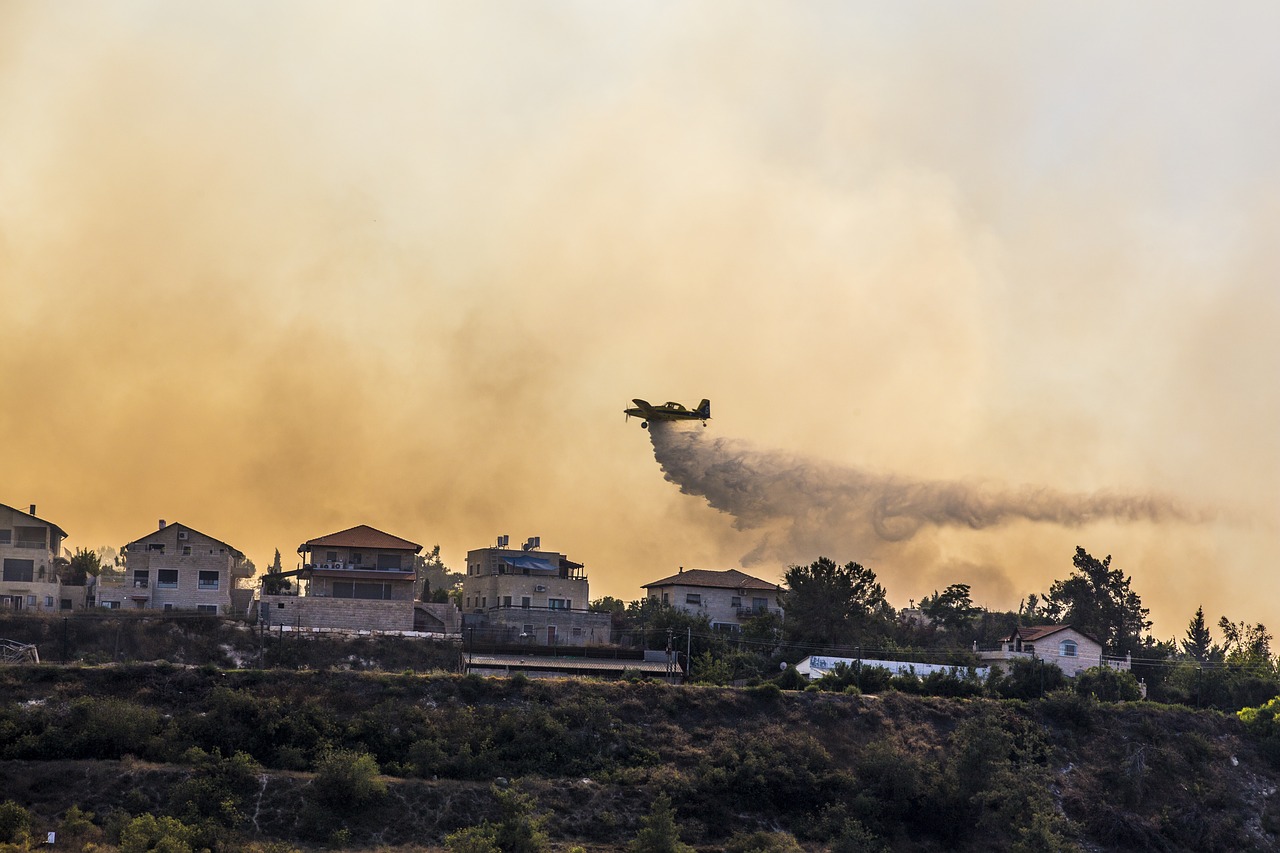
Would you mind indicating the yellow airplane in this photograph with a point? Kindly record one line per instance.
(668, 412)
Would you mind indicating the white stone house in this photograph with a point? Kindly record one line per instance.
(176, 567)
(1071, 650)
(31, 554)
(726, 598)
(534, 595)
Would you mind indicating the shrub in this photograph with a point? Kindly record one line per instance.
(148, 832)
(762, 842)
(346, 780)
(473, 839)
(15, 823)
(1108, 685)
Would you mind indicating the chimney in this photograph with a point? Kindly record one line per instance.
(681, 570)
(33, 509)
(162, 524)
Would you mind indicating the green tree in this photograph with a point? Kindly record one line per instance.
(519, 829)
(434, 580)
(84, 564)
(1198, 641)
(828, 604)
(953, 608)
(15, 823)
(272, 583)
(1098, 601)
(658, 831)
(1246, 645)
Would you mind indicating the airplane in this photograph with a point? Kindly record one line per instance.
(668, 412)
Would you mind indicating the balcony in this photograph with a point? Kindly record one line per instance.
(34, 546)
(752, 612)
(141, 584)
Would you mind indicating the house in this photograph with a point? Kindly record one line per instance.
(531, 596)
(31, 550)
(176, 567)
(358, 579)
(1072, 650)
(726, 598)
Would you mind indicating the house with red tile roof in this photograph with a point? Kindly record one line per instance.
(358, 579)
(1072, 650)
(726, 598)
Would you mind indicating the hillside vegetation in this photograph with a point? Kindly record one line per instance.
(357, 760)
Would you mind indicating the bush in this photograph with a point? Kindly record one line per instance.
(347, 780)
(15, 823)
(148, 832)
(1108, 685)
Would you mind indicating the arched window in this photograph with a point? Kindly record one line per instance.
(1067, 648)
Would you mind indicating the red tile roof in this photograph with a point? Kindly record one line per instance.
(362, 536)
(727, 579)
(1032, 633)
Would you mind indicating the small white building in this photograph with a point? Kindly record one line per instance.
(1071, 650)
(816, 666)
(726, 598)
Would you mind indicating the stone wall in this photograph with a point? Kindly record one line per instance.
(350, 614)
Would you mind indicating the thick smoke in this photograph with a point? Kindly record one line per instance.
(803, 507)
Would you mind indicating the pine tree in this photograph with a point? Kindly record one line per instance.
(658, 831)
(1198, 639)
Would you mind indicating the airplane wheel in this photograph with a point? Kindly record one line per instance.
(644, 425)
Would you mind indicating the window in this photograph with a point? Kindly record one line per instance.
(484, 602)
(528, 631)
(207, 580)
(357, 560)
(31, 601)
(1067, 648)
(6, 536)
(48, 601)
(31, 537)
(186, 550)
(367, 591)
(506, 601)
(693, 598)
(760, 605)
(166, 579)
(168, 606)
(155, 547)
(207, 608)
(331, 556)
(23, 571)
(557, 604)
(280, 605)
(111, 605)
(577, 632)
(666, 598)
(141, 579)
(389, 562)
(64, 604)
(735, 602)
(525, 602)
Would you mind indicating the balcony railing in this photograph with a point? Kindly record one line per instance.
(751, 612)
(141, 584)
(32, 545)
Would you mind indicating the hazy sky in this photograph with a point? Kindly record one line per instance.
(276, 269)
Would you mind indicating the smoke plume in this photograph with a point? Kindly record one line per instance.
(804, 508)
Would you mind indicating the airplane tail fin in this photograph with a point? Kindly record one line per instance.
(704, 409)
